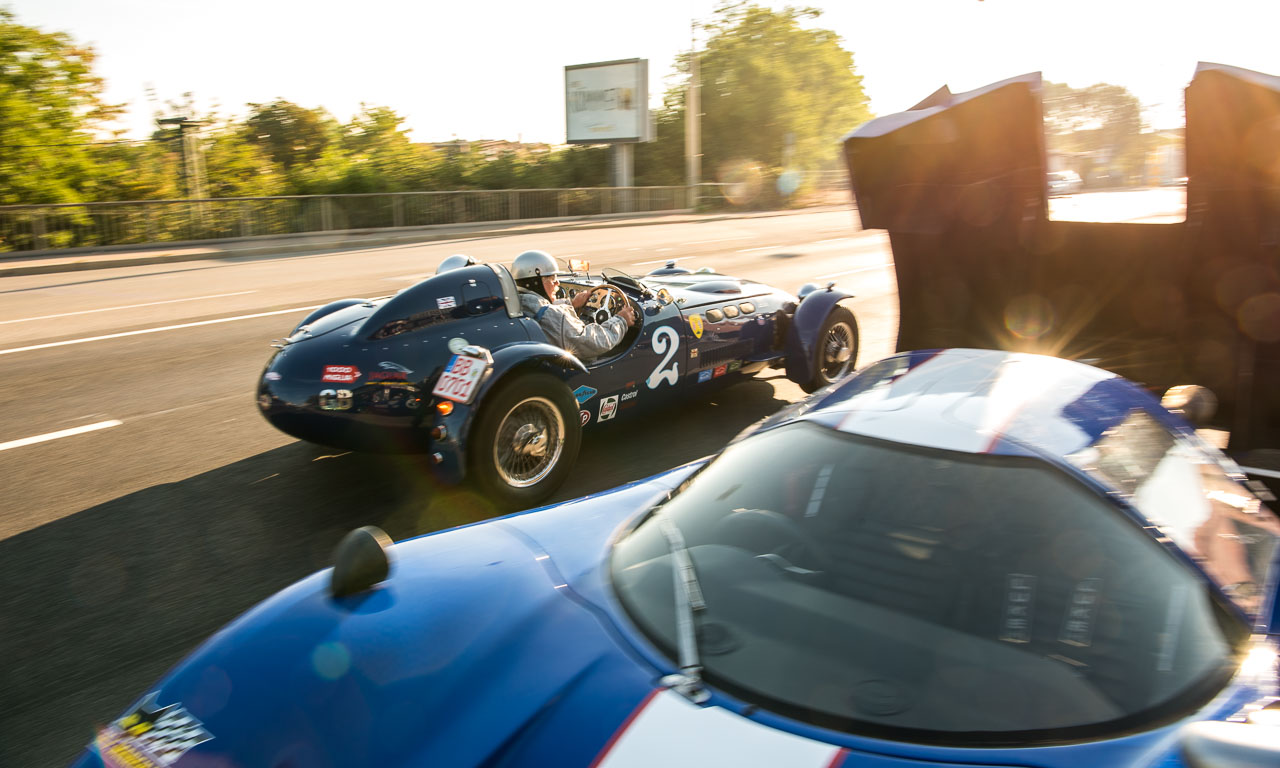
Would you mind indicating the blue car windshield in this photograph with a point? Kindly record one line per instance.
(928, 595)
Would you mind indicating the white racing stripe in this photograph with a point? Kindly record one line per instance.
(127, 306)
(60, 433)
(156, 330)
(670, 731)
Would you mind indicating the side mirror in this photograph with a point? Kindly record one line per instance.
(1230, 745)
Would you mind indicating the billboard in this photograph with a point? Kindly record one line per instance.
(607, 102)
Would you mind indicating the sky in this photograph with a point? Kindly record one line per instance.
(495, 69)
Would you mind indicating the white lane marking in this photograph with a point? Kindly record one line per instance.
(853, 271)
(766, 248)
(156, 330)
(129, 306)
(60, 433)
(721, 240)
(663, 261)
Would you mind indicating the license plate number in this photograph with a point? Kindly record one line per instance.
(460, 378)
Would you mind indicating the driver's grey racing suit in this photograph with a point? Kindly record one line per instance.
(562, 326)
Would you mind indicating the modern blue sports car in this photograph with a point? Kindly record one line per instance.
(453, 368)
(960, 558)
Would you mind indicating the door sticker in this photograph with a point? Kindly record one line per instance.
(665, 342)
(608, 408)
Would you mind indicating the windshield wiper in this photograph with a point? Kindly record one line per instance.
(689, 603)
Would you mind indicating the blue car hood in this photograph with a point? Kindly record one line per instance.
(470, 653)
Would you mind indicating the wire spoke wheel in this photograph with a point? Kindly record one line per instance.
(529, 442)
(838, 345)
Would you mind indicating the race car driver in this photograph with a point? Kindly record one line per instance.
(537, 282)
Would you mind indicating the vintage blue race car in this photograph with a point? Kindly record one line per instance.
(959, 558)
(453, 368)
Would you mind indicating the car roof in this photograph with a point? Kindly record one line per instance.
(984, 401)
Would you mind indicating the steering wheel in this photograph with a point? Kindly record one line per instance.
(773, 536)
(603, 302)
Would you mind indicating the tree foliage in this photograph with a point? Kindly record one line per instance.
(50, 100)
(1099, 128)
(775, 95)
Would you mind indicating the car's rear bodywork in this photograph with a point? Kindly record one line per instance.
(958, 181)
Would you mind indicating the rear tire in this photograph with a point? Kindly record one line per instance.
(835, 349)
(525, 440)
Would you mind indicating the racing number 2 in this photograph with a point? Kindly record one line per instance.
(665, 342)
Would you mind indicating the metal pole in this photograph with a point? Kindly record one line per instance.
(693, 122)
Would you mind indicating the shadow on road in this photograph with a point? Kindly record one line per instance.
(97, 605)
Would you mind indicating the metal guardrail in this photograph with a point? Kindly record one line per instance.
(43, 227)
(26, 228)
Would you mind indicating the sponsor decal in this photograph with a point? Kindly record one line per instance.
(695, 325)
(734, 365)
(273, 376)
(446, 302)
(720, 371)
(585, 416)
(629, 396)
(704, 376)
(693, 353)
(608, 408)
(150, 736)
(341, 374)
(335, 400)
(665, 342)
(584, 393)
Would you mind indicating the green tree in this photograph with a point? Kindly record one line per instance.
(1099, 128)
(291, 135)
(50, 102)
(775, 95)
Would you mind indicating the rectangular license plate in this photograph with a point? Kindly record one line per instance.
(460, 378)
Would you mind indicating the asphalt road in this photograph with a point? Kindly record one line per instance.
(123, 546)
(170, 506)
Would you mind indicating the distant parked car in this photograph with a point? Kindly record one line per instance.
(1064, 182)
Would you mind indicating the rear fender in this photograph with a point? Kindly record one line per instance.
(508, 361)
(803, 333)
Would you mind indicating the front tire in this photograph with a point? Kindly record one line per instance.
(525, 440)
(835, 350)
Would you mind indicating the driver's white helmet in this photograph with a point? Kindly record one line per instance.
(534, 264)
(456, 261)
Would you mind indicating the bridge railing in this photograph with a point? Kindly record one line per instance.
(153, 222)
